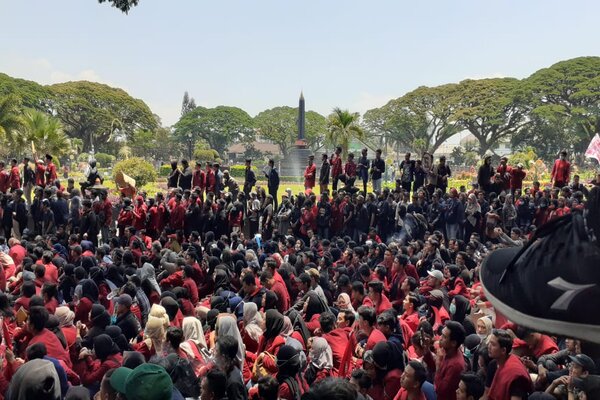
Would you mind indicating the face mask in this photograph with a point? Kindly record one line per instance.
(482, 336)
(452, 309)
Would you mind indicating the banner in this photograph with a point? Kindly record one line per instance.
(593, 150)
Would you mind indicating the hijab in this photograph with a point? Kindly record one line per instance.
(288, 365)
(345, 299)
(89, 290)
(252, 321)
(320, 354)
(147, 272)
(299, 325)
(315, 305)
(274, 324)
(35, 379)
(117, 336)
(288, 329)
(156, 333)
(104, 347)
(227, 325)
(221, 279)
(192, 330)
(488, 328)
(65, 316)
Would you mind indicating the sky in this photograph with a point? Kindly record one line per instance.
(259, 54)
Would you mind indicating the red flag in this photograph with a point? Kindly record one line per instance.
(593, 150)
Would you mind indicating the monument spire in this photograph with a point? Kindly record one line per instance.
(301, 118)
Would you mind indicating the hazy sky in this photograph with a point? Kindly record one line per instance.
(259, 54)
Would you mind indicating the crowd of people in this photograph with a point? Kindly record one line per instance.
(225, 290)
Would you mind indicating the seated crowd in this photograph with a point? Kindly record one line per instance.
(345, 295)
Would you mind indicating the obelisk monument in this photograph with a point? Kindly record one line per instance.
(297, 159)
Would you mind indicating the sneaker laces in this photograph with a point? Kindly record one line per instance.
(571, 228)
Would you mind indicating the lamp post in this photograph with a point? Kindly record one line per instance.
(189, 135)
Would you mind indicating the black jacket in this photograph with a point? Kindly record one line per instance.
(130, 326)
(324, 174)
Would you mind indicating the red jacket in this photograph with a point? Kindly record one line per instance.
(447, 377)
(511, 373)
(53, 346)
(177, 217)
(15, 178)
(40, 175)
(310, 174)
(96, 369)
(338, 340)
(561, 171)
(516, 178)
(336, 166)
(4, 181)
(51, 173)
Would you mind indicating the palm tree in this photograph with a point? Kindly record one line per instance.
(45, 132)
(10, 119)
(342, 126)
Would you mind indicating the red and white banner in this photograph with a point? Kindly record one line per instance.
(593, 150)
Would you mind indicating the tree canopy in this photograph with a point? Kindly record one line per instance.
(123, 5)
(93, 111)
(279, 125)
(423, 116)
(219, 127)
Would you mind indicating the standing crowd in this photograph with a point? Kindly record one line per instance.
(225, 290)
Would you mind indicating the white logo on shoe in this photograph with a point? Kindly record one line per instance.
(571, 291)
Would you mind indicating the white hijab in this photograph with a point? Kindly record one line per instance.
(227, 325)
(192, 330)
(252, 321)
(147, 272)
(320, 354)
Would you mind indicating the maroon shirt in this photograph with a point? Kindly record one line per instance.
(447, 377)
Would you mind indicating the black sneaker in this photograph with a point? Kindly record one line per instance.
(552, 284)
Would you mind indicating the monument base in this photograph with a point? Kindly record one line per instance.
(295, 163)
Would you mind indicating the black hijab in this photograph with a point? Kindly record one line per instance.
(89, 289)
(104, 347)
(274, 324)
(315, 305)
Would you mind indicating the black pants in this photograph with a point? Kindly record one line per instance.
(273, 192)
(406, 186)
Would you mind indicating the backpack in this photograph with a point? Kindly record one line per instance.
(184, 378)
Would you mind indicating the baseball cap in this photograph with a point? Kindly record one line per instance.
(145, 382)
(124, 300)
(437, 274)
(584, 361)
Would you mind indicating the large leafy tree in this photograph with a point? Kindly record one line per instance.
(92, 112)
(219, 127)
(420, 120)
(45, 132)
(279, 125)
(30, 94)
(342, 126)
(566, 97)
(491, 109)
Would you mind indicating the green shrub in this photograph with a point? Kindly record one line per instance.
(104, 160)
(139, 169)
(83, 157)
(204, 155)
(239, 171)
(164, 170)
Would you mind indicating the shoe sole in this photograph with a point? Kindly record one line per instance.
(590, 333)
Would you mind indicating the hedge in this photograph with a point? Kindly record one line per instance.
(139, 169)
